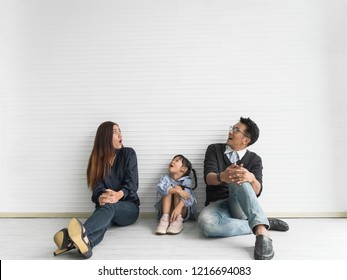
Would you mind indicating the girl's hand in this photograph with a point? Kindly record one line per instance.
(175, 213)
(185, 195)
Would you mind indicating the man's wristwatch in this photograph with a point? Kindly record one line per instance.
(218, 178)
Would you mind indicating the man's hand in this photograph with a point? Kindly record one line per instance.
(229, 175)
(243, 175)
(237, 174)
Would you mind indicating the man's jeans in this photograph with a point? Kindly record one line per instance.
(233, 216)
(122, 213)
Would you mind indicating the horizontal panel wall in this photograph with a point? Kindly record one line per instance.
(174, 75)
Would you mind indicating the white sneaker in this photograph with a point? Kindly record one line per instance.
(163, 225)
(176, 226)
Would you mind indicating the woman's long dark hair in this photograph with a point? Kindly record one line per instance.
(102, 153)
(186, 163)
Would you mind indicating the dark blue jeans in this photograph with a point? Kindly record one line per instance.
(122, 213)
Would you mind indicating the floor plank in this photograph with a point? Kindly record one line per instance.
(307, 239)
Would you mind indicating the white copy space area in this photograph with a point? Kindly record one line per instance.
(175, 75)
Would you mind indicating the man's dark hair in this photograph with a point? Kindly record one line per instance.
(252, 129)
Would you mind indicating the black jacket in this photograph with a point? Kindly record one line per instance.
(122, 176)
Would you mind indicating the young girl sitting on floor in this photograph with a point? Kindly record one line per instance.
(177, 203)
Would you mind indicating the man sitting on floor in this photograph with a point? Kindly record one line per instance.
(233, 177)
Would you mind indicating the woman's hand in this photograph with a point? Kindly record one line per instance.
(110, 196)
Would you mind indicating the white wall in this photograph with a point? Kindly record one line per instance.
(175, 75)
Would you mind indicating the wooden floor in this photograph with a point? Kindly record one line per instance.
(307, 239)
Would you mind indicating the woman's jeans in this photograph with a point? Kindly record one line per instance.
(122, 213)
(233, 216)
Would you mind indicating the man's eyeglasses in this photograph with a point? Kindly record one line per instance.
(235, 129)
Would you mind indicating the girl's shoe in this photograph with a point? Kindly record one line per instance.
(76, 234)
(163, 225)
(63, 242)
(176, 226)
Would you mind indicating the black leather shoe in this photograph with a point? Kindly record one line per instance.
(277, 224)
(263, 249)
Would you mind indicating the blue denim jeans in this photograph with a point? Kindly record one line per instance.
(233, 216)
(122, 213)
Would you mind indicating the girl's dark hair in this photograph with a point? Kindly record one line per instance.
(186, 163)
(103, 151)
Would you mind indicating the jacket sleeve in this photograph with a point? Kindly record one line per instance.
(191, 200)
(164, 185)
(256, 167)
(187, 182)
(97, 191)
(130, 183)
(210, 162)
